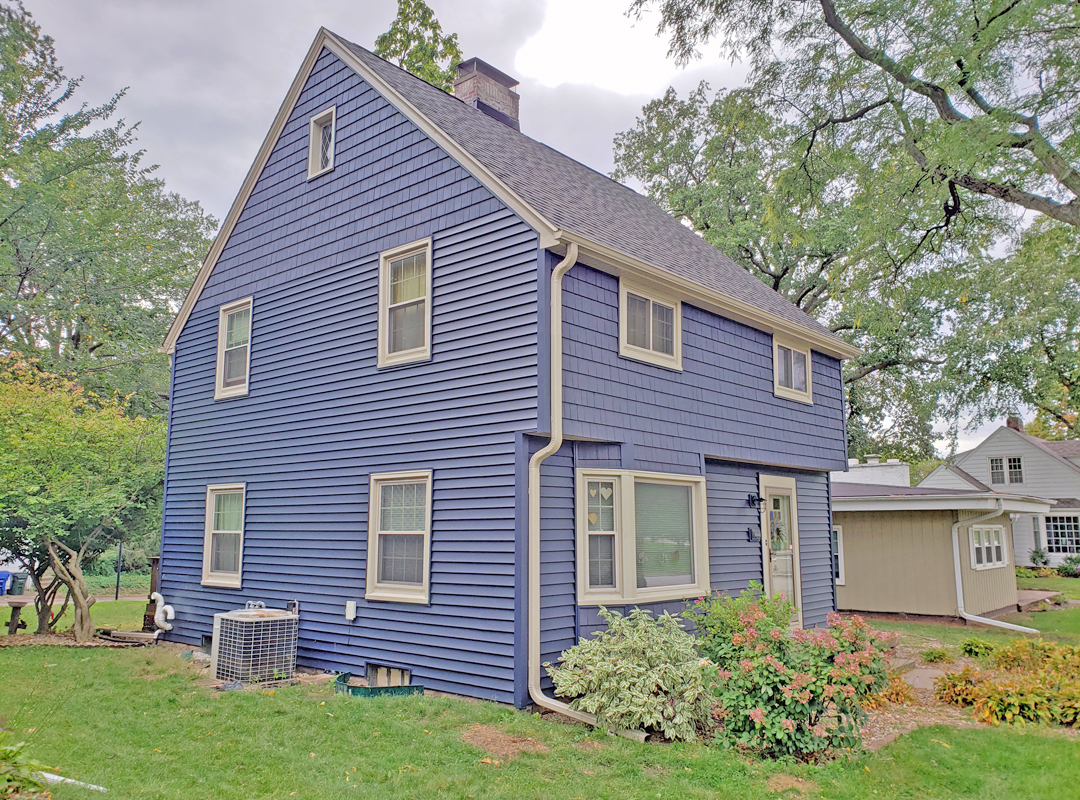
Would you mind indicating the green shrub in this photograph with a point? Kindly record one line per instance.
(1039, 557)
(976, 647)
(783, 692)
(1025, 572)
(936, 655)
(18, 773)
(1037, 654)
(640, 672)
(1070, 567)
(959, 688)
(897, 692)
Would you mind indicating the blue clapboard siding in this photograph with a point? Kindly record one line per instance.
(320, 417)
(733, 560)
(721, 403)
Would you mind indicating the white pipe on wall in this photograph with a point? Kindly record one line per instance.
(959, 578)
(553, 445)
(162, 613)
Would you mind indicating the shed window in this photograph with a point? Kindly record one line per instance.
(650, 327)
(321, 142)
(224, 539)
(234, 349)
(399, 537)
(405, 304)
(643, 537)
(838, 554)
(1063, 534)
(988, 548)
(792, 371)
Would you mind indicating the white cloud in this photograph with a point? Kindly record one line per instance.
(595, 43)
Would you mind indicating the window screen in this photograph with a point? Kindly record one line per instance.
(600, 524)
(402, 523)
(664, 534)
(226, 528)
(237, 337)
(407, 303)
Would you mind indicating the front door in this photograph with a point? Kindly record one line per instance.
(780, 542)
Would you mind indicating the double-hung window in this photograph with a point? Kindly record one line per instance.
(321, 141)
(642, 537)
(1008, 469)
(650, 327)
(1063, 534)
(405, 304)
(838, 554)
(399, 537)
(234, 349)
(792, 372)
(223, 545)
(988, 547)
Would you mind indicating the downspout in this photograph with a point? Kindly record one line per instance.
(959, 580)
(555, 380)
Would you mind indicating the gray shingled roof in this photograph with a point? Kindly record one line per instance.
(1068, 449)
(843, 489)
(580, 200)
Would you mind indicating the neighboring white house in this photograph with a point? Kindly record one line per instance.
(1012, 461)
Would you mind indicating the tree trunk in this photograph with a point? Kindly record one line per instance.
(70, 573)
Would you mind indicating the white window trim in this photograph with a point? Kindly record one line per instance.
(223, 580)
(315, 142)
(839, 552)
(789, 487)
(385, 357)
(1005, 471)
(626, 591)
(783, 391)
(222, 392)
(395, 593)
(1004, 547)
(649, 356)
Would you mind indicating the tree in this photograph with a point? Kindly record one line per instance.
(415, 42)
(95, 255)
(75, 470)
(873, 270)
(979, 97)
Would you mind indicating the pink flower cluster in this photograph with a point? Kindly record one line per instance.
(758, 716)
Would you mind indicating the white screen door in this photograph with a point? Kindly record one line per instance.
(780, 542)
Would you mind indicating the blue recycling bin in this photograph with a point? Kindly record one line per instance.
(4, 582)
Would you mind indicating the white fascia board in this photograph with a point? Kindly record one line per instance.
(614, 262)
(1014, 504)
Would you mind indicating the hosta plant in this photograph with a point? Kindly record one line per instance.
(784, 692)
(640, 673)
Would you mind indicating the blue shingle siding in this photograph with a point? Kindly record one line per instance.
(320, 418)
(733, 560)
(721, 404)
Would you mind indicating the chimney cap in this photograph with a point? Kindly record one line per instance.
(479, 65)
(873, 458)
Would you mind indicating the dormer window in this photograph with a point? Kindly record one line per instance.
(650, 327)
(321, 143)
(792, 375)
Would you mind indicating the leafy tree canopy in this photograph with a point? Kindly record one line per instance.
(95, 254)
(980, 97)
(415, 42)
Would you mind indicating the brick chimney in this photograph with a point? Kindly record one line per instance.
(482, 86)
(1015, 423)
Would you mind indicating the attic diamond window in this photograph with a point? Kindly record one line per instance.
(321, 143)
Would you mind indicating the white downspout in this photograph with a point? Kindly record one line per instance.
(556, 384)
(959, 579)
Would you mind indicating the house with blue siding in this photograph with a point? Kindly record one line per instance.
(453, 391)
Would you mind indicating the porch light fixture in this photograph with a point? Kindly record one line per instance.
(754, 500)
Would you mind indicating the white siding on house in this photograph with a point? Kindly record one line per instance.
(944, 478)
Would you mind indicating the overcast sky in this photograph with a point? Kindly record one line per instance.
(205, 78)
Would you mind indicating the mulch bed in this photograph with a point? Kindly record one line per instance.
(65, 639)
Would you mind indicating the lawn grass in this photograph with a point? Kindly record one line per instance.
(135, 722)
(1070, 587)
(1059, 624)
(124, 614)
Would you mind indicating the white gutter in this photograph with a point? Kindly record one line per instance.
(959, 579)
(556, 385)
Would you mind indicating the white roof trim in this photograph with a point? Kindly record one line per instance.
(1015, 504)
(550, 236)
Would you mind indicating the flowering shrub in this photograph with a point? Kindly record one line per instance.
(1069, 567)
(639, 673)
(897, 692)
(782, 691)
(959, 688)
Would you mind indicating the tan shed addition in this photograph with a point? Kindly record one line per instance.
(894, 550)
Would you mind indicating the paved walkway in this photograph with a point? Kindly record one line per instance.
(1025, 598)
